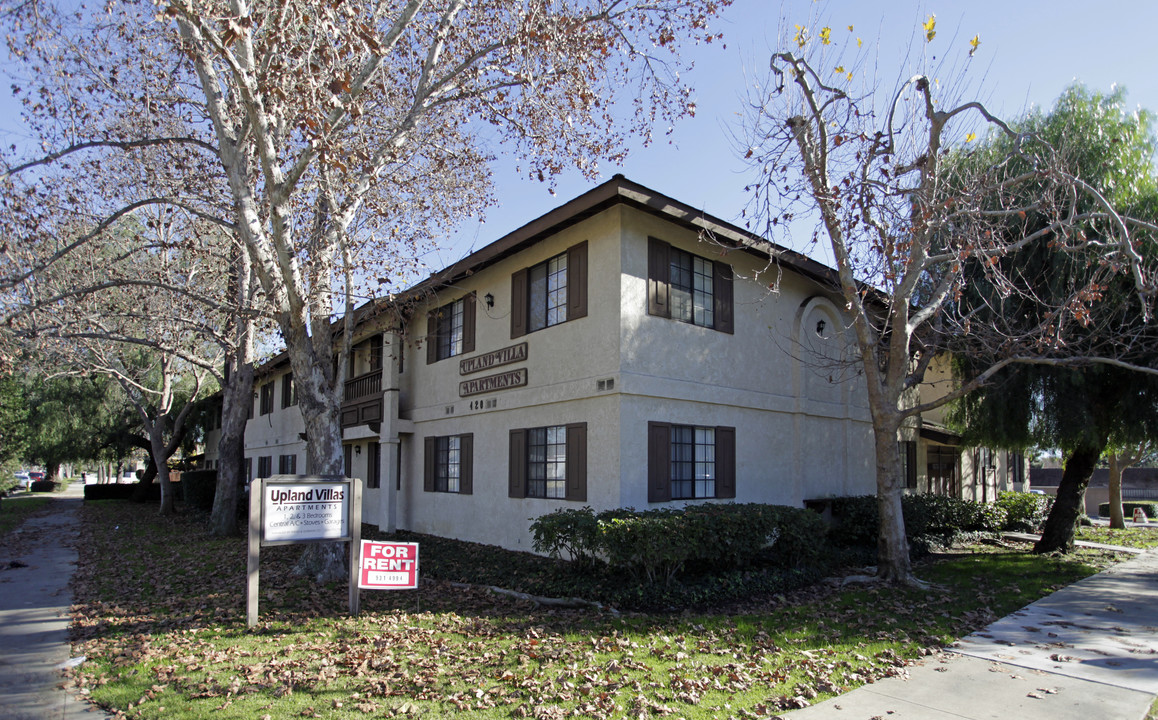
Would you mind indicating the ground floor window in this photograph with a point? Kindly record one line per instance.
(448, 464)
(688, 462)
(941, 463)
(909, 463)
(549, 462)
(265, 466)
(287, 464)
(374, 472)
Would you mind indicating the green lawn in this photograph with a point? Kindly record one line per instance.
(1135, 537)
(13, 510)
(160, 616)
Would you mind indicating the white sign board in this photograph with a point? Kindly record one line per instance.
(314, 511)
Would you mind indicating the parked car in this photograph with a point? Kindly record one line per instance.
(36, 476)
(22, 479)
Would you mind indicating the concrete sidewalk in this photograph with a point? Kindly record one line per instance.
(1089, 650)
(34, 617)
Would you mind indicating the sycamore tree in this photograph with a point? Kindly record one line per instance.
(346, 136)
(869, 162)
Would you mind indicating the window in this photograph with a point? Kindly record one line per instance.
(693, 462)
(549, 462)
(688, 288)
(686, 462)
(448, 464)
(550, 293)
(289, 393)
(909, 463)
(449, 331)
(267, 399)
(265, 466)
(1016, 463)
(374, 474)
(287, 465)
(348, 461)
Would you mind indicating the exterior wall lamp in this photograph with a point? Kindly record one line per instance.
(489, 299)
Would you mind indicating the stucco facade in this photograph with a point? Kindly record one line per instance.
(676, 359)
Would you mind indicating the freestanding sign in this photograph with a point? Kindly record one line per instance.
(290, 509)
(388, 566)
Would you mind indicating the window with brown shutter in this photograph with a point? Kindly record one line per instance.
(289, 395)
(686, 462)
(267, 398)
(549, 462)
(450, 330)
(448, 464)
(689, 288)
(550, 293)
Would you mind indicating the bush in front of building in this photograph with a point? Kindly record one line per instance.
(1150, 508)
(655, 546)
(1024, 511)
(43, 486)
(198, 488)
(931, 521)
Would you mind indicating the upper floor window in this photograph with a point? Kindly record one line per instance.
(550, 293)
(686, 462)
(448, 464)
(267, 399)
(689, 288)
(450, 330)
(549, 462)
(265, 466)
(289, 393)
(287, 465)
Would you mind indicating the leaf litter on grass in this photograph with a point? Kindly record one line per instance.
(160, 613)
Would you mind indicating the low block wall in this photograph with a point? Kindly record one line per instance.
(1095, 496)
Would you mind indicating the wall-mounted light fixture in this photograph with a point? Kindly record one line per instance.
(358, 450)
(489, 299)
(820, 328)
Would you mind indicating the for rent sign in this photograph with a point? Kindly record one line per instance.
(388, 566)
(313, 511)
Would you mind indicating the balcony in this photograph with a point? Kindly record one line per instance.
(362, 400)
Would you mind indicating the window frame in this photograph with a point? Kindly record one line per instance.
(574, 462)
(289, 391)
(575, 283)
(264, 466)
(661, 484)
(287, 464)
(433, 480)
(659, 286)
(374, 467)
(266, 398)
(439, 338)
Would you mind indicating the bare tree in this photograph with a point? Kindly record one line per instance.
(903, 223)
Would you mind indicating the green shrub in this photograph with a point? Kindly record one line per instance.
(43, 486)
(199, 488)
(657, 545)
(1148, 507)
(1024, 511)
(930, 520)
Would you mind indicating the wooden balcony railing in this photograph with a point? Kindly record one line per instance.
(363, 386)
(362, 400)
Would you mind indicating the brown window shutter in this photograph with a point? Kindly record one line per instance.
(658, 462)
(658, 277)
(725, 462)
(577, 281)
(469, 304)
(466, 464)
(517, 487)
(519, 304)
(910, 464)
(577, 461)
(431, 337)
(429, 459)
(722, 297)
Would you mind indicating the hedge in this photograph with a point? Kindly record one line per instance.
(1150, 508)
(656, 546)
(121, 491)
(199, 488)
(930, 520)
(43, 486)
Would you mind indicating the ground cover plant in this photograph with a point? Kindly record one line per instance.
(160, 609)
(14, 510)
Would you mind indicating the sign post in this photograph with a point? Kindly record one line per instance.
(294, 509)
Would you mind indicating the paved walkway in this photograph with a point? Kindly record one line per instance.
(34, 618)
(1087, 651)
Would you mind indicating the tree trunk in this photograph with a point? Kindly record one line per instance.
(320, 406)
(161, 461)
(893, 564)
(237, 395)
(1058, 533)
(1117, 520)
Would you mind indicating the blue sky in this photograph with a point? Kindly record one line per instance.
(1030, 51)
